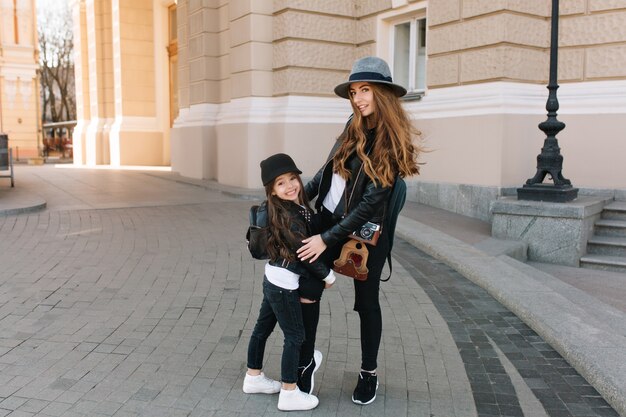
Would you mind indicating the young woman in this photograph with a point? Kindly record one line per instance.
(289, 219)
(354, 186)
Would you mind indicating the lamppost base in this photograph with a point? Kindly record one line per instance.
(547, 192)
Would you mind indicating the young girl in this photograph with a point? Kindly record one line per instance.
(289, 218)
(354, 186)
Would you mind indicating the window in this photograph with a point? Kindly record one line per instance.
(409, 55)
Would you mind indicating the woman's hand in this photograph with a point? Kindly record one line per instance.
(312, 249)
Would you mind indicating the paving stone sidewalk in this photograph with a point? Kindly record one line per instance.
(132, 295)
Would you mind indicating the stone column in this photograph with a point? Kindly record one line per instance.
(250, 49)
(100, 67)
(204, 82)
(136, 136)
(81, 74)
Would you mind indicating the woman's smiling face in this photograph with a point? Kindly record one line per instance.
(362, 96)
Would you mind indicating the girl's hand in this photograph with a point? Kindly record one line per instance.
(312, 249)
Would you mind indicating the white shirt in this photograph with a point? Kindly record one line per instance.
(284, 278)
(337, 187)
(281, 277)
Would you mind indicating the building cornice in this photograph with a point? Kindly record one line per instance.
(600, 97)
(597, 97)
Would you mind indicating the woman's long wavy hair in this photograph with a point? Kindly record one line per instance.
(279, 223)
(393, 152)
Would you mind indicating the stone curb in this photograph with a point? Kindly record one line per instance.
(585, 342)
(16, 202)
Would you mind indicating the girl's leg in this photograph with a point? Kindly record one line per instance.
(262, 330)
(286, 307)
(255, 381)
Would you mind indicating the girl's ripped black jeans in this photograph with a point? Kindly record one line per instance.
(283, 307)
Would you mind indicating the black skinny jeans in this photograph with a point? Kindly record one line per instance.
(366, 302)
(278, 306)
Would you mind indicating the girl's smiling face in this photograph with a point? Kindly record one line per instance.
(362, 96)
(287, 187)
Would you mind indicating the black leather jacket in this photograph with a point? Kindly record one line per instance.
(365, 201)
(302, 226)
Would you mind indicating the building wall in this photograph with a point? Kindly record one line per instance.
(257, 77)
(121, 71)
(488, 64)
(19, 87)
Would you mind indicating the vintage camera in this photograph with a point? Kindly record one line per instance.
(368, 233)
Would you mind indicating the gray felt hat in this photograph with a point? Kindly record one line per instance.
(369, 69)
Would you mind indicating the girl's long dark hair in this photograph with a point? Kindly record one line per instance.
(281, 235)
(394, 150)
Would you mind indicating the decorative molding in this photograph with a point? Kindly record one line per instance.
(136, 124)
(599, 97)
(288, 109)
(594, 97)
(197, 115)
(10, 91)
(291, 109)
(398, 3)
(26, 91)
(13, 70)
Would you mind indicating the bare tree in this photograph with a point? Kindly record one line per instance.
(56, 61)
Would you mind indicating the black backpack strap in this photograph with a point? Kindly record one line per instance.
(390, 267)
(396, 203)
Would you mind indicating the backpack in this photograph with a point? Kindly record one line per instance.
(396, 202)
(258, 231)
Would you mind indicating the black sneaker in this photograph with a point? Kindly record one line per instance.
(365, 391)
(306, 380)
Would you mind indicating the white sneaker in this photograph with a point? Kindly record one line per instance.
(296, 400)
(260, 384)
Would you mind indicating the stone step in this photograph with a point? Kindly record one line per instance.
(607, 245)
(604, 262)
(615, 211)
(605, 227)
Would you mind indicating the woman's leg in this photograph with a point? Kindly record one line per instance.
(368, 306)
(310, 295)
(310, 318)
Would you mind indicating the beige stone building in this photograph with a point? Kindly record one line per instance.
(214, 86)
(19, 87)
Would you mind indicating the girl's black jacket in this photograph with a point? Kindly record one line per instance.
(302, 226)
(362, 200)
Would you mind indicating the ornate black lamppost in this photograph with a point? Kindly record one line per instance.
(550, 160)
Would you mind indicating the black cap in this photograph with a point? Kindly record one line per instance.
(277, 165)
